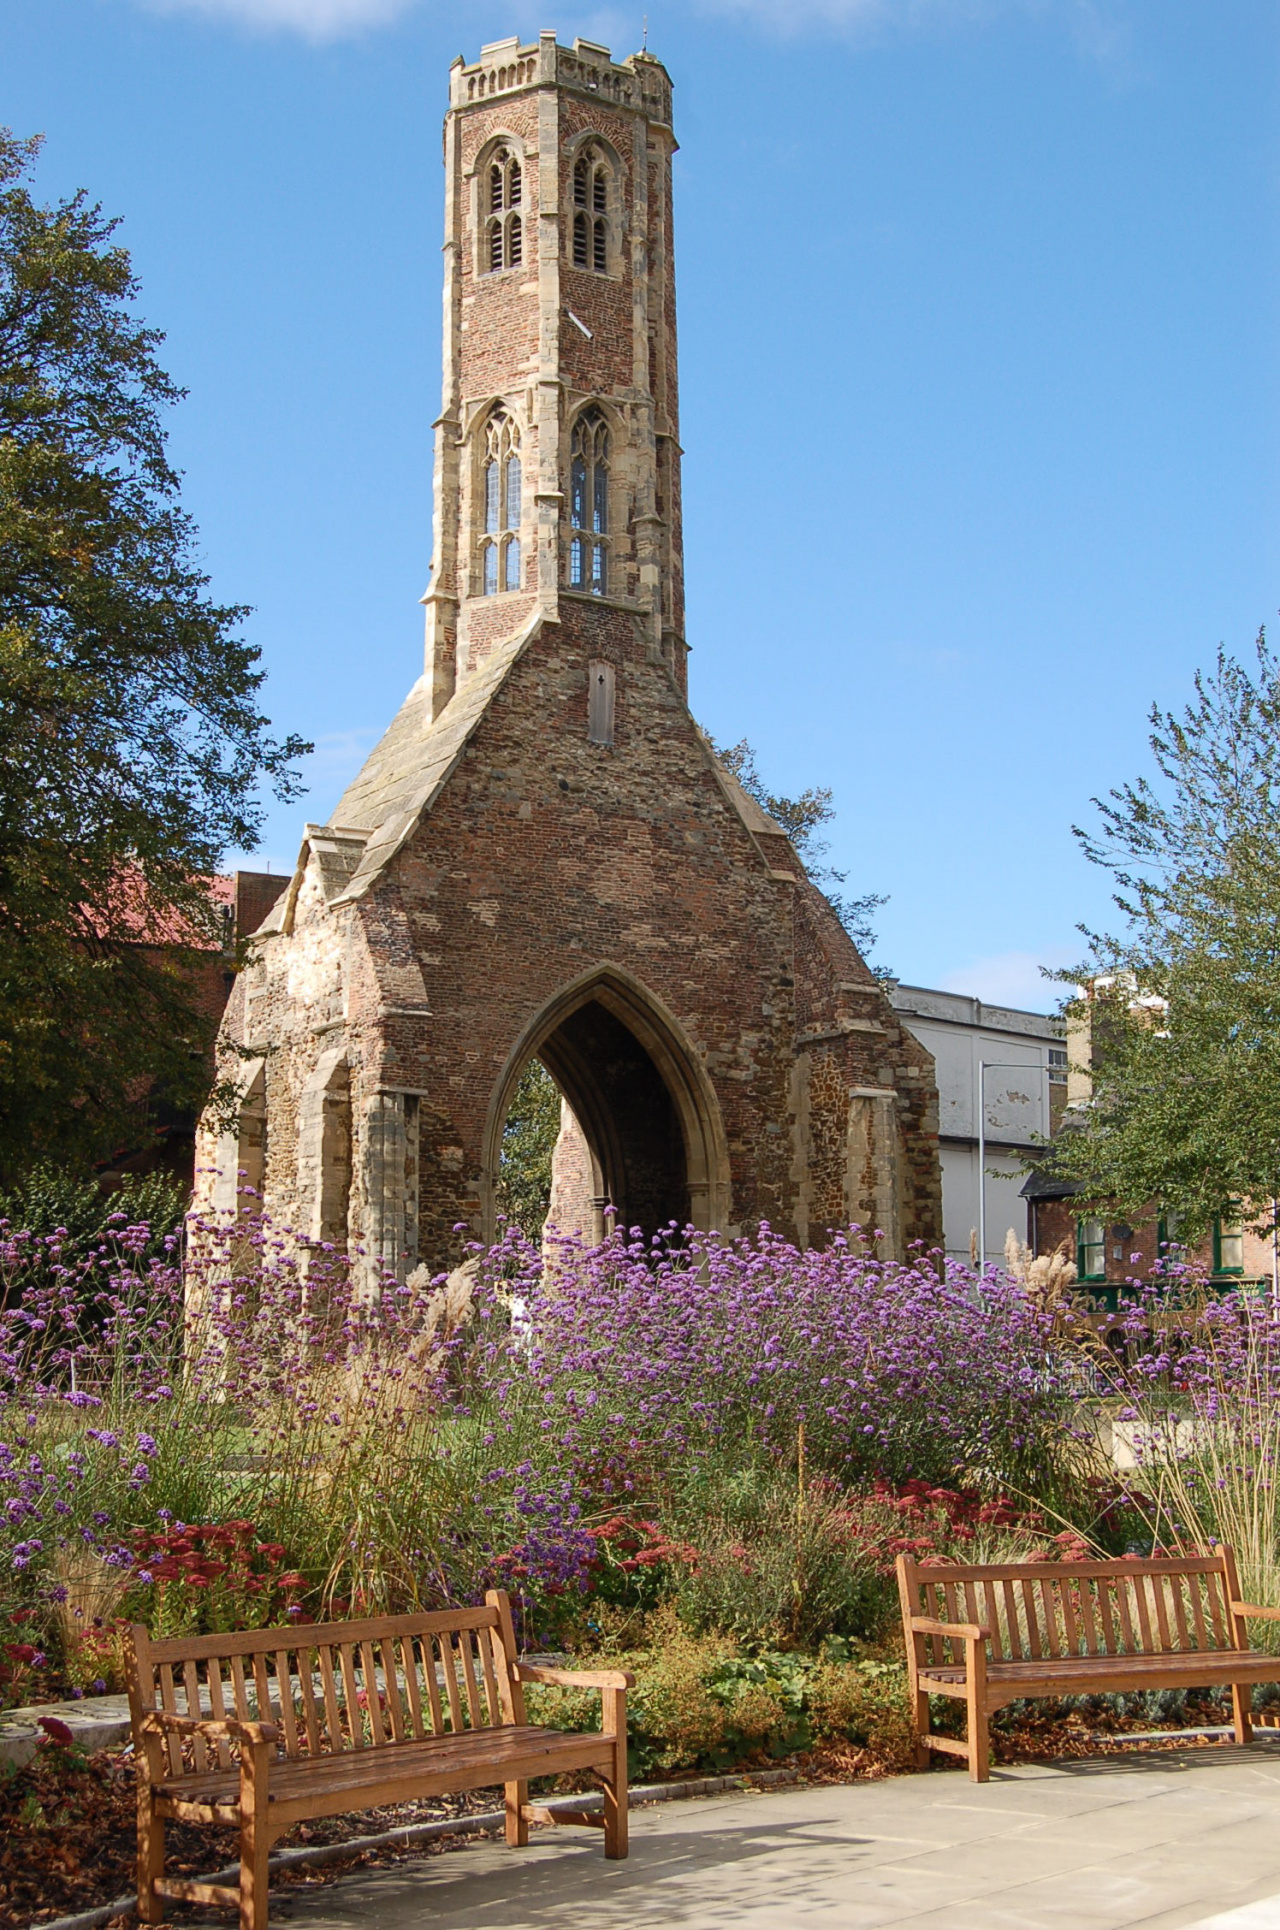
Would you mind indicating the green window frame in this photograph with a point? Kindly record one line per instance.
(1228, 1244)
(1091, 1250)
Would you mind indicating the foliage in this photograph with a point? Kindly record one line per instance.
(528, 1142)
(692, 1428)
(68, 1216)
(1197, 1386)
(1186, 1025)
(131, 744)
(802, 818)
(701, 1703)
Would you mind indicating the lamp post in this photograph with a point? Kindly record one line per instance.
(984, 1067)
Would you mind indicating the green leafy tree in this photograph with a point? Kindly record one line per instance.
(528, 1141)
(802, 818)
(1185, 1012)
(132, 748)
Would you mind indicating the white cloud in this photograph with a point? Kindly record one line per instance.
(313, 19)
(1013, 978)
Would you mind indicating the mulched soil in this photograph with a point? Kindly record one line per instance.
(67, 1821)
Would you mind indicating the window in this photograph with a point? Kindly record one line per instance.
(589, 504)
(591, 212)
(1091, 1250)
(504, 231)
(1228, 1243)
(1057, 1065)
(600, 692)
(502, 505)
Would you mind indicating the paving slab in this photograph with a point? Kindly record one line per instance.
(1151, 1842)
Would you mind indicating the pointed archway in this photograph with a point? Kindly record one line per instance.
(638, 1090)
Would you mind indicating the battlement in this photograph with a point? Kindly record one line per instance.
(639, 83)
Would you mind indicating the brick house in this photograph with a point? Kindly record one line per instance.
(542, 857)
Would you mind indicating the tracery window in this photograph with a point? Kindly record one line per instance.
(591, 211)
(502, 505)
(503, 192)
(589, 504)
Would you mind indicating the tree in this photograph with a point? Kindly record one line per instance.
(1185, 1003)
(528, 1142)
(802, 818)
(132, 749)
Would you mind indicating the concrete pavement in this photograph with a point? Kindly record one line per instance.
(1161, 1841)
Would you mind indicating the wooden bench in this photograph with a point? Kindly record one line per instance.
(265, 1728)
(990, 1635)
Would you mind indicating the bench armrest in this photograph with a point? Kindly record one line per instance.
(574, 1678)
(156, 1721)
(963, 1631)
(1249, 1608)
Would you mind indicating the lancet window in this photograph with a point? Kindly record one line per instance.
(503, 194)
(591, 212)
(589, 504)
(501, 505)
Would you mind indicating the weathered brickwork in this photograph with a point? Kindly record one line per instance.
(542, 856)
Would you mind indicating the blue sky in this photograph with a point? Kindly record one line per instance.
(978, 366)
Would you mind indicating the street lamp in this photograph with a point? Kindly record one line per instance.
(984, 1067)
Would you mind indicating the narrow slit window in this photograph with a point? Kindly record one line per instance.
(515, 242)
(580, 240)
(514, 481)
(600, 249)
(601, 680)
(491, 569)
(511, 564)
(491, 490)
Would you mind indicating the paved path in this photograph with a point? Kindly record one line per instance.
(1162, 1841)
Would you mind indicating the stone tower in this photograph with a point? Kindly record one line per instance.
(542, 856)
(559, 354)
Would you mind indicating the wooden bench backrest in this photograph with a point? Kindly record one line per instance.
(337, 1686)
(1042, 1611)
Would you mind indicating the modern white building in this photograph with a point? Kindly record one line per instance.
(1020, 1059)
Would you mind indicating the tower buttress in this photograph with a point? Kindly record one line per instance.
(557, 456)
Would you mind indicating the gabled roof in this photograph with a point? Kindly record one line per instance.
(407, 769)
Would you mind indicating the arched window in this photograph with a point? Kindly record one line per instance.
(504, 229)
(589, 504)
(591, 211)
(502, 505)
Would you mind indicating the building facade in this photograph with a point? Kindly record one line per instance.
(542, 856)
(1018, 1062)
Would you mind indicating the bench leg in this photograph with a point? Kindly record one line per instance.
(920, 1725)
(976, 1713)
(150, 1858)
(255, 1836)
(1242, 1709)
(517, 1795)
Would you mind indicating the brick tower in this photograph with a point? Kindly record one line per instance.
(542, 856)
(559, 292)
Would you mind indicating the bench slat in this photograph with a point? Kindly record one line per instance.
(351, 1696)
(447, 1663)
(372, 1700)
(1068, 1590)
(1216, 1591)
(218, 1708)
(469, 1676)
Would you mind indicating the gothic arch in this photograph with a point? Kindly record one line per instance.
(560, 1036)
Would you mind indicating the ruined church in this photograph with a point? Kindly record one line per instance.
(542, 857)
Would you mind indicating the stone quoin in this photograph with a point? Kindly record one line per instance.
(542, 856)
